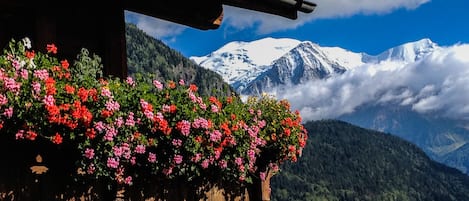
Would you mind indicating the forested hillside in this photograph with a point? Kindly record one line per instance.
(148, 55)
(345, 162)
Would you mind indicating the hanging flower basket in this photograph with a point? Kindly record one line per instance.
(129, 133)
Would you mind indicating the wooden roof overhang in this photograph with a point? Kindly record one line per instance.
(208, 14)
(100, 26)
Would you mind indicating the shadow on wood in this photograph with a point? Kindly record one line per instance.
(40, 170)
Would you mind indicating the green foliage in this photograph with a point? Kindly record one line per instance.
(147, 55)
(87, 70)
(345, 162)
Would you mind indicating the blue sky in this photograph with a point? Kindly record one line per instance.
(370, 26)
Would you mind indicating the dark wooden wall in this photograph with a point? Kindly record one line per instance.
(19, 182)
(60, 182)
(71, 25)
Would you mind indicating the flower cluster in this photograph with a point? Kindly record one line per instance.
(125, 128)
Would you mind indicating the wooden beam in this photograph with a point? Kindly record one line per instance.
(202, 15)
(45, 30)
(115, 44)
(284, 8)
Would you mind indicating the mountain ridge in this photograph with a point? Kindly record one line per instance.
(149, 56)
(409, 52)
(345, 162)
(254, 78)
(244, 55)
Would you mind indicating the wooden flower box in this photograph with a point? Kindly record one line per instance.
(40, 170)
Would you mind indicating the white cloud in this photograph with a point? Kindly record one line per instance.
(157, 28)
(437, 84)
(326, 9)
(343, 8)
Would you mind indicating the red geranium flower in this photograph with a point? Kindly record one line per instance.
(57, 139)
(51, 48)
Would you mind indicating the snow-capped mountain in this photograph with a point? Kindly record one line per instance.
(408, 52)
(269, 62)
(305, 62)
(259, 66)
(244, 61)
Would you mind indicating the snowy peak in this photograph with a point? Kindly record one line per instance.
(308, 56)
(307, 61)
(245, 60)
(256, 66)
(329, 55)
(343, 57)
(260, 52)
(409, 52)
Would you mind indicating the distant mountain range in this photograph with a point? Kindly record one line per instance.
(391, 92)
(259, 66)
(239, 63)
(345, 162)
(443, 139)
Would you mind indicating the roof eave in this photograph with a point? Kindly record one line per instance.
(208, 14)
(285, 8)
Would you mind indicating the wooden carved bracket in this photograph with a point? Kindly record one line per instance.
(39, 169)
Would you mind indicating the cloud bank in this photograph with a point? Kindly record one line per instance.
(437, 84)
